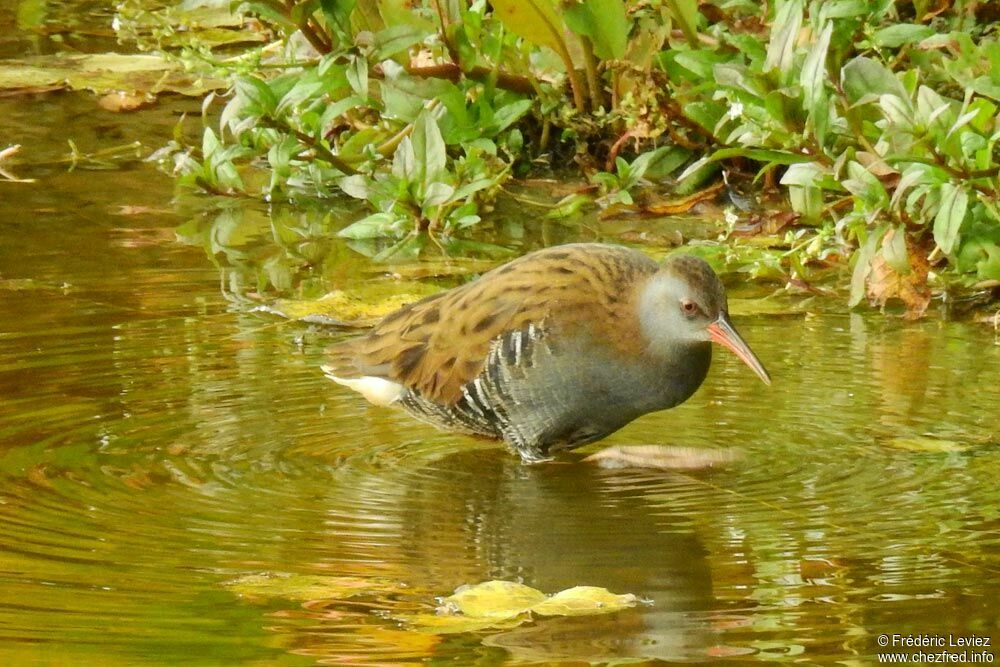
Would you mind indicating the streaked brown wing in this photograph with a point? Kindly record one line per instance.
(437, 345)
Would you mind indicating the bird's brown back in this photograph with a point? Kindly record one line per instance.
(437, 345)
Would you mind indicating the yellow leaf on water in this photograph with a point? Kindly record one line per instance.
(493, 599)
(584, 600)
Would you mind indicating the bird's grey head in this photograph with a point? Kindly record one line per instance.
(680, 301)
(684, 305)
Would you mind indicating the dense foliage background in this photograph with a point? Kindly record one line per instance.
(876, 122)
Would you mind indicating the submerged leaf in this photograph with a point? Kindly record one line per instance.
(351, 308)
(661, 457)
(305, 587)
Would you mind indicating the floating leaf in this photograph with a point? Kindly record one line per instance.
(506, 604)
(584, 600)
(661, 457)
(493, 599)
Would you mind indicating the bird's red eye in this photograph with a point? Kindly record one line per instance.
(689, 307)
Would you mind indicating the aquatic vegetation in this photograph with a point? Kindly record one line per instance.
(877, 123)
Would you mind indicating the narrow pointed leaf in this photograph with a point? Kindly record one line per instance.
(951, 213)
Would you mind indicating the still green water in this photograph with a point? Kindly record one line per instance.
(160, 439)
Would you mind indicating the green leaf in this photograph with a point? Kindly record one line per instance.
(534, 20)
(758, 154)
(357, 76)
(338, 16)
(814, 84)
(396, 39)
(428, 149)
(897, 35)
(862, 78)
(259, 99)
(808, 201)
(951, 213)
(376, 225)
(784, 34)
(894, 250)
(404, 163)
(604, 22)
(862, 264)
(685, 13)
(509, 114)
(866, 186)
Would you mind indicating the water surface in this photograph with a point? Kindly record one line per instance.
(159, 439)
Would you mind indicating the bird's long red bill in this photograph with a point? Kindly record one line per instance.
(724, 333)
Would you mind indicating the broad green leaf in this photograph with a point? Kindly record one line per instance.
(604, 22)
(685, 13)
(933, 109)
(862, 265)
(900, 34)
(806, 201)
(805, 174)
(535, 20)
(951, 213)
(509, 114)
(894, 250)
(404, 163)
(396, 39)
(863, 184)
(784, 34)
(338, 16)
(357, 76)
(701, 63)
(376, 225)
(864, 77)
(840, 9)
(437, 193)
(260, 100)
(913, 174)
(897, 111)
(428, 149)
(356, 186)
